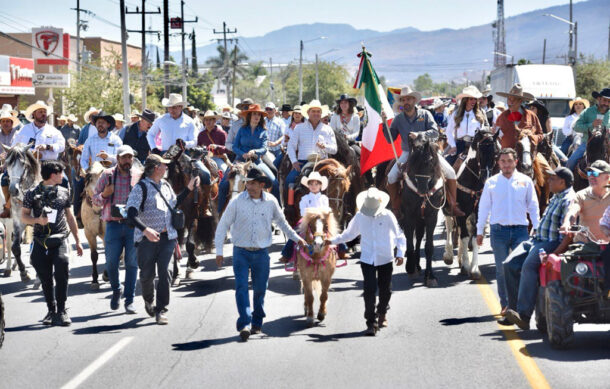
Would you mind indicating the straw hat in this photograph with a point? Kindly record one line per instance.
(91, 111)
(37, 105)
(62, 117)
(173, 100)
(135, 113)
(210, 114)
(245, 103)
(315, 176)
(311, 105)
(226, 107)
(72, 118)
(8, 115)
(517, 91)
(118, 117)
(579, 100)
(470, 91)
(407, 91)
(372, 201)
(8, 107)
(438, 103)
(325, 110)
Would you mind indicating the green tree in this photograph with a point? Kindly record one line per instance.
(221, 65)
(198, 88)
(591, 75)
(332, 79)
(423, 84)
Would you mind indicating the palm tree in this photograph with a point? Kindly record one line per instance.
(221, 66)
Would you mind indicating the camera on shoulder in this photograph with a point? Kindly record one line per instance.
(43, 197)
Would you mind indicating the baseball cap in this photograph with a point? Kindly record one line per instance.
(125, 149)
(563, 173)
(599, 166)
(270, 105)
(156, 159)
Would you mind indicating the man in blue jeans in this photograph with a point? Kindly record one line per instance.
(521, 266)
(507, 199)
(112, 189)
(249, 217)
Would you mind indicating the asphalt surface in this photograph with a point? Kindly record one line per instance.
(437, 337)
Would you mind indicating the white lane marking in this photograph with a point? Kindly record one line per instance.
(99, 362)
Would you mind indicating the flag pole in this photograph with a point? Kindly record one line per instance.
(365, 55)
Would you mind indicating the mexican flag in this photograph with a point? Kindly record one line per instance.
(375, 148)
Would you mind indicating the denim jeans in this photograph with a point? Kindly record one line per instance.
(576, 156)
(78, 185)
(521, 274)
(278, 158)
(204, 173)
(567, 142)
(223, 191)
(117, 237)
(292, 176)
(222, 165)
(257, 263)
(503, 240)
(460, 146)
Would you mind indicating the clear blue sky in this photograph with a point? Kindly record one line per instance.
(255, 18)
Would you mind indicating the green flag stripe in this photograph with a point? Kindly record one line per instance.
(371, 82)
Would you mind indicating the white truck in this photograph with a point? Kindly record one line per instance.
(551, 84)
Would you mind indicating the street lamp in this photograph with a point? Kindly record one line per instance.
(512, 57)
(573, 36)
(301, 65)
(319, 55)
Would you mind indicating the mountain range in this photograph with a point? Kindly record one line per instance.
(447, 54)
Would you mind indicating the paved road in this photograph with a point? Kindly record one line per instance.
(441, 337)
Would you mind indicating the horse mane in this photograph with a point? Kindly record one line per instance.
(20, 151)
(319, 213)
(417, 164)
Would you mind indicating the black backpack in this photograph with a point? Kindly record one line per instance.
(144, 194)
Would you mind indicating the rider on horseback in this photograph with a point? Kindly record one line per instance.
(8, 128)
(407, 125)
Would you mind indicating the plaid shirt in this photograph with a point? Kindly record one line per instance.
(94, 145)
(548, 229)
(275, 131)
(122, 187)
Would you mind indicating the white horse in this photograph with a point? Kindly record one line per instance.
(6, 233)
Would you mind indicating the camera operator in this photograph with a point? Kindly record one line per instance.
(47, 207)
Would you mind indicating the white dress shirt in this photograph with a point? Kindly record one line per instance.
(313, 200)
(172, 129)
(250, 222)
(568, 123)
(379, 235)
(509, 200)
(305, 137)
(353, 126)
(468, 126)
(94, 145)
(47, 135)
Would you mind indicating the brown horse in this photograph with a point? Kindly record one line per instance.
(92, 221)
(237, 179)
(338, 185)
(533, 165)
(316, 263)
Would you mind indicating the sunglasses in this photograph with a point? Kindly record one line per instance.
(268, 109)
(592, 173)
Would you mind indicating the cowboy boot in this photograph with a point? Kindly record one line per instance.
(394, 192)
(6, 212)
(452, 198)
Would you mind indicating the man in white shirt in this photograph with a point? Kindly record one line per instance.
(310, 137)
(173, 126)
(380, 235)
(507, 199)
(103, 145)
(46, 139)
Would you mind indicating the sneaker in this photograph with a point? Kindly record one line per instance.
(161, 318)
(255, 330)
(129, 308)
(48, 319)
(515, 318)
(150, 308)
(115, 300)
(64, 319)
(244, 334)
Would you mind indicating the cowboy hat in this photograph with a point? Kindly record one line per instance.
(72, 118)
(603, 93)
(62, 117)
(37, 105)
(347, 97)
(517, 91)
(226, 107)
(118, 117)
(155, 159)
(173, 100)
(135, 113)
(325, 110)
(8, 115)
(540, 107)
(106, 116)
(245, 103)
(315, 176)
(372, 201)
(147, 115)
(286, 108)
(486, 91)
(298, 109)
(226, 115)
(469, 91)
(210, 114)
(500, 106)
(585, 102)
(8, 107)
(256, 174)
(438, 103)
(311, 105)
(91, 111)
(253, 108)
(407, 91)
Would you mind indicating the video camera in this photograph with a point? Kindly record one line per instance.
(42, 200)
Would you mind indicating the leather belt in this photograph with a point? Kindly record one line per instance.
(250, 248)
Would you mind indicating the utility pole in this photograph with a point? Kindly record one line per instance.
(143, 31)
(78, 36)
(195, 68)
(271, 77)
(317, 89)
(224, 33)
(126, 105)
(182, 21)
(544, 51)
(234, 73)
(301, 72)
(166, 47)
(570, 44)
(608, 57)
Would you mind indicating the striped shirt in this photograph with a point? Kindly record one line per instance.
(552, 218)
(155, 213)
(275, 131)
(303, 141)
(250, 222)
(94, 145)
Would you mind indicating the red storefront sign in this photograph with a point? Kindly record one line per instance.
(16, 75)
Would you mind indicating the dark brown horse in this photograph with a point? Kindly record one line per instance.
(598, 147)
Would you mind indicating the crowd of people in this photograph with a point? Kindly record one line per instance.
(145, 200)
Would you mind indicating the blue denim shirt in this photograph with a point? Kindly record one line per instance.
(245, 141)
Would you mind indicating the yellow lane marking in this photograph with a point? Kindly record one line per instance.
(525, 361)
